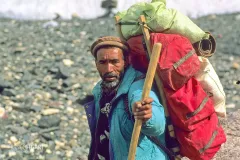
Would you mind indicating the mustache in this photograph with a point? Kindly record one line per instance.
(109, 75)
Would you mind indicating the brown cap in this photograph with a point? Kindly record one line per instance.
(109, 41)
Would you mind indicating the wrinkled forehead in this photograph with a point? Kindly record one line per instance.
(109, 53)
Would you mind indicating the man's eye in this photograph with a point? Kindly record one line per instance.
(101, 62)
(115, 61)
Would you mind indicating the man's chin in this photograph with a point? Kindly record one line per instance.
(110, 85)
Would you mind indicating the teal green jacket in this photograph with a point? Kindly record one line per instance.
(121, 126)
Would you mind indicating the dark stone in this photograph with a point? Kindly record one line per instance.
(51, 145)
(1, 139)
(67, 83)
(24, 109)
(35, 71)
(53, 70)
(49, 121)
(63, 72)
(36, 108)
(26, 76)
(28, 101)
(27, 138)
(8, 92)
(34, 129)
(48, 136)
(238, 82)
(18, 130)
(5, 84)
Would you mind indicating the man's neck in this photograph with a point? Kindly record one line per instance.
(109, 91)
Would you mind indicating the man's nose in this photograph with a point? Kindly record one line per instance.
(109, 67)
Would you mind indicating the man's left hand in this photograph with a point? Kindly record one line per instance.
(142, 110)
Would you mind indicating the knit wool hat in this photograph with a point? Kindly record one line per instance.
(109, 41)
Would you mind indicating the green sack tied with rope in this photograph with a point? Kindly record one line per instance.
(159, 19)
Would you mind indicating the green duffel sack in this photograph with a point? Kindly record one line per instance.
(159, 19)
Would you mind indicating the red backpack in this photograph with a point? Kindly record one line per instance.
(191, 110)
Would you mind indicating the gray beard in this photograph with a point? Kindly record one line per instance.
(108, 87)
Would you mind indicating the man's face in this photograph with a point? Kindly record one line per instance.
(110, 65)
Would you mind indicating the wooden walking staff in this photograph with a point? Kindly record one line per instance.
(146, 35)
(146, 90)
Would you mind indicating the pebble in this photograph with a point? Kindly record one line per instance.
(70, 110)
(73, 142)
(76, 119)
(231, 106)
(68, 62)
(13, 139)
(8, 92)
(63, 72)
(235, 65)
(48, 78)
(17, 130)
(83, 33)
(69, 102)
(2, 112)
(59, 144)
(5, 146)
(50, 111)
(12, 153)
(76, 86)
(5, 84)
(25, 124)
(76, 41)
(64, 118)
(69, 153)
(237, 17)
(75, 130)
(58, 152)
(8, 108)
(60, 53)
(19, 49)
(48, 151)
(84, 117)
(49, 121)
(46, 96)
(75, 136)
(36, 108)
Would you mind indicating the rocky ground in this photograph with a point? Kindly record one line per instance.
(47, 73)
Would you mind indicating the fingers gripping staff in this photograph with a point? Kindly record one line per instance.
(143, 110)
(146, 89)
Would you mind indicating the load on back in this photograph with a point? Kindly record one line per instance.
(193, 92)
